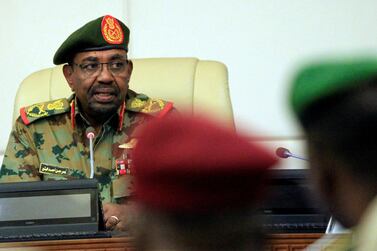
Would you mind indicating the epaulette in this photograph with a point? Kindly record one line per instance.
(29, 114)
(144, 104)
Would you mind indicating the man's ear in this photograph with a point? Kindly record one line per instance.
(130, 67)
(68, 74)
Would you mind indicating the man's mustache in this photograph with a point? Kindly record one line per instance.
(101, 88)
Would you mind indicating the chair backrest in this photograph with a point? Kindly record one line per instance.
(191, 84)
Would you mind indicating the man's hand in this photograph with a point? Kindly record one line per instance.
(117, 216)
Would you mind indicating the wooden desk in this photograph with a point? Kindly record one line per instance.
(105, 244)
(298, 242)
(275, 242)
(290, 242)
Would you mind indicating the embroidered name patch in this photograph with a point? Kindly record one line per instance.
(50, 169)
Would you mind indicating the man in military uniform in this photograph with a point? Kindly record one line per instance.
(48, 140)
(201, 189)
(335, 100)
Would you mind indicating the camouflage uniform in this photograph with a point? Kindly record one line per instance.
(47, 144)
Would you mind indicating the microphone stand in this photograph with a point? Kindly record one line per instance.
(297, 157)
(91, 157)
(90, 134)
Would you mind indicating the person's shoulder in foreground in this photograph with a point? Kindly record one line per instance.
(198, 185)
(335, 101)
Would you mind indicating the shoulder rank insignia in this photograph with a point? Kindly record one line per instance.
(154, 107)
(41, 110)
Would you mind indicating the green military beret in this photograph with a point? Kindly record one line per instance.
(323, 78)
(103, 33)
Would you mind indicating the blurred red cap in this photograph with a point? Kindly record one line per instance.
(191, 164)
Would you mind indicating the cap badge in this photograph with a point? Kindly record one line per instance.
(111, 30)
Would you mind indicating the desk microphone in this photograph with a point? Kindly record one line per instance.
(90, 134)
(285, 153)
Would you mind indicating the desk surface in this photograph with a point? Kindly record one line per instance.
(113, 244)
(125, 243)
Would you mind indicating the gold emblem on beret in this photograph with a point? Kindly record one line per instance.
(111, 30)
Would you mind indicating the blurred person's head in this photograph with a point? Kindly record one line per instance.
(198, 186)
(336, 104)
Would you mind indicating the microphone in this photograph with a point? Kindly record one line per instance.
(285, 153)
(90, 134)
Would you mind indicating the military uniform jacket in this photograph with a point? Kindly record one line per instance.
(48, 142)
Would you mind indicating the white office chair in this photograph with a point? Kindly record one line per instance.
(193, 85)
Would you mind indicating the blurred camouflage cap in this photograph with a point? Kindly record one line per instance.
(325, 77)
(103, 33)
